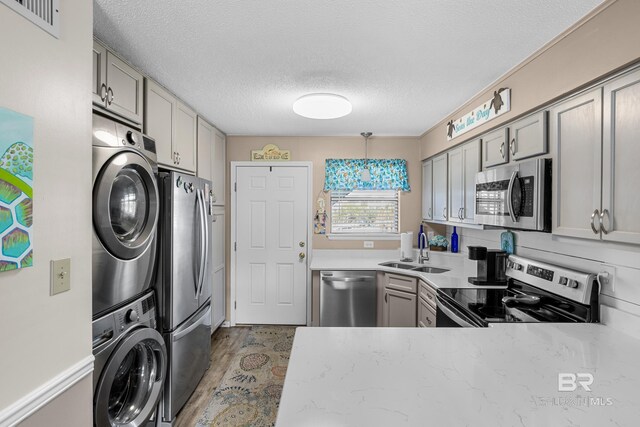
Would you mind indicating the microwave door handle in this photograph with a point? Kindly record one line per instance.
(514, 176)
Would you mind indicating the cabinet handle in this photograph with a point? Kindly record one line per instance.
(103, 92)
(429, 296)
(502, 150)
(428, 320)
(429, 213)
(109, 96)
(444, 212)
(593, 217)
(602, 227)
(175, 158)
(385, 297)
(461, 214)
(512, 146)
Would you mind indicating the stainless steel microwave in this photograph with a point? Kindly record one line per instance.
(515, 196)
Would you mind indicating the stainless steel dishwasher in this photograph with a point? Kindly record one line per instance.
(347, 298)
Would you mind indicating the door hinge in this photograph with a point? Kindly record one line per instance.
(235, 187)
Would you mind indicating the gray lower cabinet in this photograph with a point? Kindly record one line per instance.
(426, 314)
(400, 309)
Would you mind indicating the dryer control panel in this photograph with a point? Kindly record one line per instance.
(110, 326)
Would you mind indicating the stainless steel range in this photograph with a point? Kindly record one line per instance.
(536, 292)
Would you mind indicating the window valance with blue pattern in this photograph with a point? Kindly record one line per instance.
(386, 174)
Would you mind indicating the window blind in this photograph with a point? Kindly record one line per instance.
(364, 211)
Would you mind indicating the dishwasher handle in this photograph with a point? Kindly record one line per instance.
(345, 279)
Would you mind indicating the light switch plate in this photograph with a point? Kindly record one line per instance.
(60, 276)
(368, 244)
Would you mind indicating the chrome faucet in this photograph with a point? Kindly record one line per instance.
(422, 242)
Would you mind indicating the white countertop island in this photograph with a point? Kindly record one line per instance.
(500, 376)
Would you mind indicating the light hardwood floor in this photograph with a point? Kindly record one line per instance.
(225, 343)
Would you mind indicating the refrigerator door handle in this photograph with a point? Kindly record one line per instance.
(203, 241)
(205, 260)
(205, 316)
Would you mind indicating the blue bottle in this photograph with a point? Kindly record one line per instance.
(454, 241)
(420, 244)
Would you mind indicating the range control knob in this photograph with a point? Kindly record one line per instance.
(517, 266)
(132, 316)
(572, 283)
(132, 138)
(563, 281)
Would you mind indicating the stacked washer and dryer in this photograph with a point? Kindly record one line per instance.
(151, 280)
(131, 356)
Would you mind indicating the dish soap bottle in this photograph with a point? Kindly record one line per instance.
(454, 241)
(419, 240)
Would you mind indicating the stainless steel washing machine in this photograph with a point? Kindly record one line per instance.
(130, 365)
(125, 213)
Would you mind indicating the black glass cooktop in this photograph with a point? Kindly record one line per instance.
(527, 304)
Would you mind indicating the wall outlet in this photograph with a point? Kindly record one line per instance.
(368, 244)
(60, 276)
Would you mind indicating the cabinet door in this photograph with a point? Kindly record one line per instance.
(184, 142)
(219, 167)
(528, 136)
(440, 187)
(99, 82)
(575, 129)
(401, 309)
(125, 89)
(427, 190)
(205, 149)
(160, 110)
(218, 299)
(218, 236)
(495, 148)
(456, 185)
(621, 160)
(426, 315)
(470, 167)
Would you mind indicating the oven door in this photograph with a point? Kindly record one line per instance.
(449, 316)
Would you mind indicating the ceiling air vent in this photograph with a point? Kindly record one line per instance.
(43, 13)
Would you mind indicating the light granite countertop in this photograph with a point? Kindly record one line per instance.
(499, 376)
(456, 277)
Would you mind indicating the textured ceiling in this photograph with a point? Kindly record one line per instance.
(404, 64)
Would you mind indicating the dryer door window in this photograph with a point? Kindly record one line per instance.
(131, 383)
(125, 211)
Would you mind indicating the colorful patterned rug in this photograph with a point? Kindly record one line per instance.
(249, 393)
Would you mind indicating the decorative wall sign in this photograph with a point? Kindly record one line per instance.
(270, 152)
(16, 193)
(492, 108)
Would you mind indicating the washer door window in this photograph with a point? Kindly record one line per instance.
(132, 381)
(126, 205)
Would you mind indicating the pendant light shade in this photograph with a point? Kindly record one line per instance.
(322, 106)
(365, 174)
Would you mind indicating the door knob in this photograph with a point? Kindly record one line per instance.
(301, 255)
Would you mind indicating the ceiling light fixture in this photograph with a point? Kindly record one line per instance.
(322, 106)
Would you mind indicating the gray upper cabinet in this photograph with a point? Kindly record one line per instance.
(211, 159)
(427, 190)
(575, 129)
(495, 148)
(440, 187)
(464, 164)
(173, 125)
(219, 167)
(117, 86)
(528, 136)
(621, 160)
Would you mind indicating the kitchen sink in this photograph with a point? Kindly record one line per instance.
(394, 264)
(432, 270)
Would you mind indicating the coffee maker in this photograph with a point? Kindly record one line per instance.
(491, 266)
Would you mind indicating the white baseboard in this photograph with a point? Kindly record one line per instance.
(32, 402)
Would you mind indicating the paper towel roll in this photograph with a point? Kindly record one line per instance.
(406, 245)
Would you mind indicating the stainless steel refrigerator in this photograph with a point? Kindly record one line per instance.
(183, 285)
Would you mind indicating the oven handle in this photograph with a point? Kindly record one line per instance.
(514, 176)
(454, 314)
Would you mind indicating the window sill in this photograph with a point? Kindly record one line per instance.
(363, 236)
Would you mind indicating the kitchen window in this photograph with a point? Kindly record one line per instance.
(369, 213)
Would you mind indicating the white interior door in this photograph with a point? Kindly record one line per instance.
(271, 237)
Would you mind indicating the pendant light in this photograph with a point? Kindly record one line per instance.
(365, 175)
